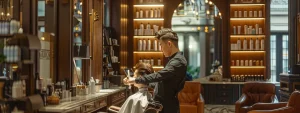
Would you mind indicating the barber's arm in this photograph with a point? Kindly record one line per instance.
(169, 71)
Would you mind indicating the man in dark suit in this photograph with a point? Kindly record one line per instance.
(170, 80)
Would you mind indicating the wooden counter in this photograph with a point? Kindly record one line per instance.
(88, 103)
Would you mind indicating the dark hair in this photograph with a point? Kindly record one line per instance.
(167, 34)
(144, 68)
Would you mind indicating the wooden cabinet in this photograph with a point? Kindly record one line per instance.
(221, 94)
(288, 84)
(117, 99)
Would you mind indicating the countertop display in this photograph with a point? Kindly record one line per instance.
(204, 80)
(69, 104)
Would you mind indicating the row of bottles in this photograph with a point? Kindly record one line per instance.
(151, 61)
(259, 44)
(19, 89)
(245, 15)
(12, 53)
(150, 1)
(152, 13)
(247, 63)
(9, 26)
(245, 78)
(144, 45)
(248, 30)
(148, 31)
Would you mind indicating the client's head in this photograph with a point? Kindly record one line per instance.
(142, 69)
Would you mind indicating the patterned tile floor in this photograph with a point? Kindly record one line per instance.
(219, 109)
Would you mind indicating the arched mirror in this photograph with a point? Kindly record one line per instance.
(198, 24)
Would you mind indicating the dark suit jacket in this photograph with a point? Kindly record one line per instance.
(168, 82)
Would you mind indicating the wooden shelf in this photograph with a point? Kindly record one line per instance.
(245, 4)
(148, 19)
(245, 51)
(245, 36)
(143, 36)
(149, 5)
(247, 19)
(147, 52)
(245, 67)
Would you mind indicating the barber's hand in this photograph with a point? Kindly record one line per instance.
(131, 80)
(125, 81)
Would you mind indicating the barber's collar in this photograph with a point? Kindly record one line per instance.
(172, 56)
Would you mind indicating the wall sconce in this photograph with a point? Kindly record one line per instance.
(210, 2)
(213, 29)
(199, 28)
(206, 1)
(207, 12)
(206, 29)
(220, 14)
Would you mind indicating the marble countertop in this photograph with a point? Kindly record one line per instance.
(205, 81)
(73, 102)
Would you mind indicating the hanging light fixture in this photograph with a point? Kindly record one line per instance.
(210, 2)
(206, 1)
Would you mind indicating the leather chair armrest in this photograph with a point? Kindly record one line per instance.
(268, 106)
(200, 104)
(280, 110)
(240, 103)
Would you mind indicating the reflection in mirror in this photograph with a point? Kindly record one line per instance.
(46, 58)
(198, 24)
(77, 39)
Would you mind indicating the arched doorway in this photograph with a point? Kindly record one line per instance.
(198, 24)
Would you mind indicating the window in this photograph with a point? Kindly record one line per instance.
(279, 38)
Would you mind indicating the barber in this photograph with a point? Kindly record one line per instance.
(170, 80)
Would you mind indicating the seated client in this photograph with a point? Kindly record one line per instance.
(138, 102)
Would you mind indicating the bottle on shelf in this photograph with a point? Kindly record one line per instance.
(256, 44)
(151, 13)
(262, 44)
(149, 45)
(141, 13)
(158, 62)
(239, 44)
(137, 14)
(155, 13)
(146, 14)
(37, 83)
(245, 44)
(159, 47)
(155, 45)
(140, 45)
(152, 61)
(141, 29)
(158, 13)
(232, 63)
(140, 61)
(251, 44)
(144, 45)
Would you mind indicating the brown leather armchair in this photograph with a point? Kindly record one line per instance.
(190, 98)
(255, 92)
(291, 107)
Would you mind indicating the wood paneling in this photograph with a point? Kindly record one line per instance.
(294, 9)
(64, 40)
(96, 41)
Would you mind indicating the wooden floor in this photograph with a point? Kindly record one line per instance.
(219, 109)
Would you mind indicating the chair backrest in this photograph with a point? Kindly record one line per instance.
(294, 101)
(190, 93)
(259, 91)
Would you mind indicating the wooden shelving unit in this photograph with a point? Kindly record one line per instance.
(238, 10)
(159, 21)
